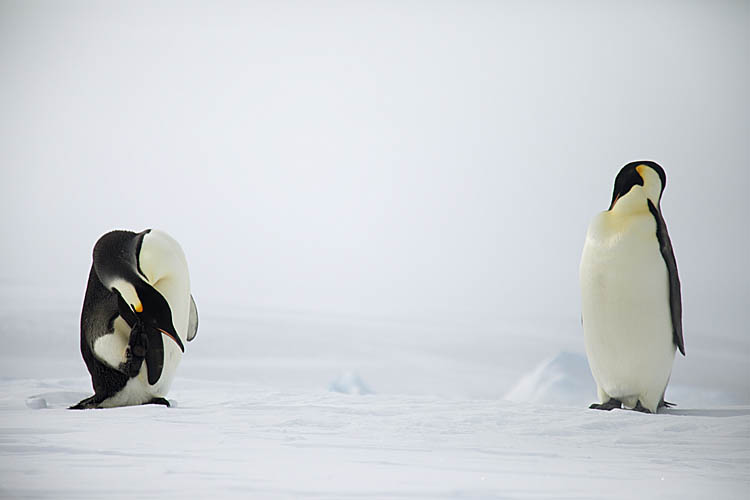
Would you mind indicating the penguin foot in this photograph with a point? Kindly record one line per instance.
(88, 403)
(666, 404)
(639, 407)
(609, 405)
(159, 401)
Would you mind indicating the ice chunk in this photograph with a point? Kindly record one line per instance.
(349, 383)
(562, 379)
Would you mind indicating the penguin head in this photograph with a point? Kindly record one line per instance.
(635, 184)
(117, 263)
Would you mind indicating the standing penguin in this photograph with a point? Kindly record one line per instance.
(630, 290)
(137, 314)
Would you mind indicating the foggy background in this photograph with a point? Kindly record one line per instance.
(423, 161)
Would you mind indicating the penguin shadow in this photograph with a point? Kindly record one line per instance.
(715, 413)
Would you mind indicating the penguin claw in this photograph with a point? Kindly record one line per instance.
(136, 350)
(609, 405)
(132, 365)
(138, 341)
(159, 401)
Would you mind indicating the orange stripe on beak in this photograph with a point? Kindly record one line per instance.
(614, 201)
(170, 336)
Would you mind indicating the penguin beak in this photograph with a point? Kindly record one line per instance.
(155, 312)
(614, 201)
(173, 336)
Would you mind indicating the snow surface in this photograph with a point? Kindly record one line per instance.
(293, 405)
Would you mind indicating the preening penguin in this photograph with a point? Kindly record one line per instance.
(137, 315)
(630, 291)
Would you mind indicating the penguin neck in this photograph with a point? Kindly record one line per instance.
(176, 290)
(635, 202)
(165, 268)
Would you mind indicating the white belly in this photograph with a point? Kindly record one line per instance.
(627, 322)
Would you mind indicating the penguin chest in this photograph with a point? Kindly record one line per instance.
(625, 300)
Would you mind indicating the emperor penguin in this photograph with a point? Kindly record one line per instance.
(137, 315)
(630, 291)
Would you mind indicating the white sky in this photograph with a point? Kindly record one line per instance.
(411, 159)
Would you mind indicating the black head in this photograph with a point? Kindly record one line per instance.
(116, 256)
(630, 176)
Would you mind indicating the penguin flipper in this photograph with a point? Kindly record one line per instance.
(192, 330)
(675, 297)
(154, 355)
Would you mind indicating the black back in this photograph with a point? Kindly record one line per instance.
(99, 312)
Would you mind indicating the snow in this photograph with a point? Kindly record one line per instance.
(292, 405)
(229, 440)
